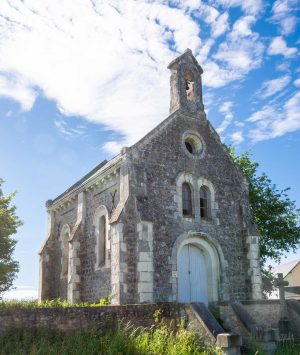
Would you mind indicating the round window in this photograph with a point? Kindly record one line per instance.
(193, 144)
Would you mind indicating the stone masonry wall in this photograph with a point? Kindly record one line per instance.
(77, 319)
(264, 312)
(93, 284)
(96, 284)
(157, 161)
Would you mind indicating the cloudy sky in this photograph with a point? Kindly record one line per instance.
(81, 78)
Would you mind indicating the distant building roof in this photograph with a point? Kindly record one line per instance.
(285, 268)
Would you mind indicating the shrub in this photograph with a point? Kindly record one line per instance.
(56, 303)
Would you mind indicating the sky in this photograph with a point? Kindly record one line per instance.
(79, 79)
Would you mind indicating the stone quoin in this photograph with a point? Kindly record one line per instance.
(166, 220)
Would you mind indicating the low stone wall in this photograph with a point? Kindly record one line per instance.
(76, 319)
(264, 312)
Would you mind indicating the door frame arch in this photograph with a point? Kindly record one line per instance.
(213, 256)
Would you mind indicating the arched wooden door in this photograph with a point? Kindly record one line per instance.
(192, 275)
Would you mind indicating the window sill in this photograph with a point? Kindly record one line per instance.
(188, 218)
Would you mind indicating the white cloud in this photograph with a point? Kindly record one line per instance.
(297, 82)
(237, 137)
(283, 15)
(113, 147)
(263, 114)
(71, 132)
(271, 87)
(276, 121)
(284, 66)
(105, 62)
(291, 119)
(278, 46)
(208, 99)
(225, 108)
(249, 6)
(18, 89)
(210, 15)
(221, 25)
(21, 293)
(242, 50)
(241, 27)
(240, 53)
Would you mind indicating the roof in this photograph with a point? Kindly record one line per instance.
(189, 53)
(286, 268)
(99, 169)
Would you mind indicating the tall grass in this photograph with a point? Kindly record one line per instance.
(158, 340)
(292, 349)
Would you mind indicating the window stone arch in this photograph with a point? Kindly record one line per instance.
(185, 178)
(187, 200)
(101, 227)
(203, 183)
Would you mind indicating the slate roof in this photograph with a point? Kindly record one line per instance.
(99, 169)
(286, 268)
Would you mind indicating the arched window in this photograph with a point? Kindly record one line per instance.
(102, 245)
(65, 235)
(187, 207)
(204, 202)
(101, 240)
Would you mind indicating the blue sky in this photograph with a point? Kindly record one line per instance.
(80, 79)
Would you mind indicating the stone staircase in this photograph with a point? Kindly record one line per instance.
(199, 318)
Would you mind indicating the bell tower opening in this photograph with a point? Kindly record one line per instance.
(186, 84)
(189, 85)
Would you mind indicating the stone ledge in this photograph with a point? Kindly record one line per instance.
(226, 340)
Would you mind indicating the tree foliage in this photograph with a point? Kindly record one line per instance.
(9, 223)
(275, 214)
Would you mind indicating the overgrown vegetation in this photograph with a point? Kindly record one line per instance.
(293, 349)
(274, 213)
(9, 224)
(56, 303)
(159, 339)
(258, 348)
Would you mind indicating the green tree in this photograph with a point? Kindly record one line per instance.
(9, 223)
(275, 214)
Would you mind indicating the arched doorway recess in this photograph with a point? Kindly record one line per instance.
(198, 270)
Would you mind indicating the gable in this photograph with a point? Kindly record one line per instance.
(167, 140)
(293, 277)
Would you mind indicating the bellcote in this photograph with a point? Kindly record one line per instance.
(186, 84)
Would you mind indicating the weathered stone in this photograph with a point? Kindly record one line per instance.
(145, 228)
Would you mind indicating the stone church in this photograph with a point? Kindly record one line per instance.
(167, 219)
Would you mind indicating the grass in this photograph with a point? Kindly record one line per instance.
(56, 303)
(257, 348)
(158, 340)
(293, 349)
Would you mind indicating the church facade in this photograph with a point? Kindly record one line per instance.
(165, 220)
